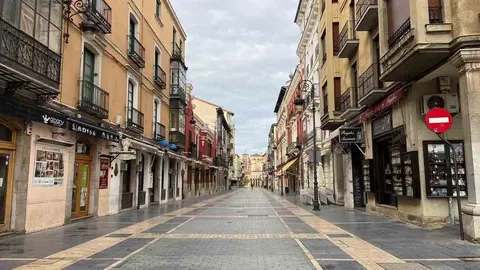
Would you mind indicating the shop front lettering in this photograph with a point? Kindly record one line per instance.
(83, 130)
(50, 120)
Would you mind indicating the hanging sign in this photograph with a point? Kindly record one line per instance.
(104, 165)
(350, 135)
(438, 120)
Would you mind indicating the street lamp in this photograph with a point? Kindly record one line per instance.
(281, 175)
(309, 88)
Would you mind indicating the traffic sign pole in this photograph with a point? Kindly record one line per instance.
(439, 120)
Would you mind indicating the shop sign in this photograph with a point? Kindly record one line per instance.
(94, 132)
(49, 166)
(350, 135)
(381, 125)
(104, 166)
(389, 101)
(52, 120)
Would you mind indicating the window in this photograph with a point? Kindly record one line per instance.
(435, 13)
(130, 97)
(5, 133)
(158, 59)
(336, 38)
(88, 66)
(174, 37)
(158, 9)
(156, 110)
(325, 99)
(337, 90)
(41, 19)
(324, 47)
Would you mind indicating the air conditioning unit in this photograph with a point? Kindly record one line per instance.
(123, 166)
(448, 102)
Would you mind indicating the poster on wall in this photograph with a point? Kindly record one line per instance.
(104, 165)
(49, 166)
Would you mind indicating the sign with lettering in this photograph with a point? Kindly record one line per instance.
(382, 124)
(104, 165)
(350, 135)
(89, 130)
(48, 119)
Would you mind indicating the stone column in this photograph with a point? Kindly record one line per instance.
(468, 63)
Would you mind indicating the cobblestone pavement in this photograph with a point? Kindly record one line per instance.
(243, 229)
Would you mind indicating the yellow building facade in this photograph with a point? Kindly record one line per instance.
(94, 125)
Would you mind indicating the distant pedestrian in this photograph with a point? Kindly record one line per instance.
(252, 185)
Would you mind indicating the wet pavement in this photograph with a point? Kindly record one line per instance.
(242, 229)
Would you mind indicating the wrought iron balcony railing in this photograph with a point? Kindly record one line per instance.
(347, 38)
(368, 81)
(362, 7)
(401, 32)
(136, 51)
(160, 77)
(177, 91)
(292, 147)
(435, 14)
(177, 138)
(94, 99)
(22, 49)
(159, 133)
(135, 119)
(177, 52)
(349, 99)
(101, 14)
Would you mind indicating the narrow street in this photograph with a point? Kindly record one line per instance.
(242, 229)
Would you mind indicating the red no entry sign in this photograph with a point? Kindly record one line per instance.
(438, 120)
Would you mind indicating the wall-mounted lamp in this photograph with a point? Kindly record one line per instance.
(81, 7)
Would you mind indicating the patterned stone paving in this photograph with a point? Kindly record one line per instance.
(243, 229)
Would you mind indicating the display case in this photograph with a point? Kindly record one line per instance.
(367, 173)
(396, 172)
(439, 168)
(411, 184)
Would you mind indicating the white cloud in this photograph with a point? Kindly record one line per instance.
(239, 54)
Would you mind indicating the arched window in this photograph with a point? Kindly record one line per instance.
(5, 133)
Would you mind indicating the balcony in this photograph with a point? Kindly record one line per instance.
(178, 92)
(177, 138)
(177, 53)
(192, 152)
(160, 77)
(331, 120)
(136, 52)
(370, 88)
(135, 120)
(293, 148)
(348, 41)
(27, 63)
(407, 59)
(367, 15)
(308, 137)
(349, 106)
(159, 132)
(101, 15)
(93, 99)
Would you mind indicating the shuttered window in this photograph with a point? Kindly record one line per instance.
(398, 13)
(336, 38)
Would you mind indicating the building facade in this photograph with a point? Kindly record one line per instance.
(90, 126)
(221, 121)
(384, 65)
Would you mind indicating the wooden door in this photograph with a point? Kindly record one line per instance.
(6, 179)
(81, 187)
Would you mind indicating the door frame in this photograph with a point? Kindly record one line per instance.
(82, 158)
(9, 149)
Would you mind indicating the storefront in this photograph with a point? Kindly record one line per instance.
(7, 163)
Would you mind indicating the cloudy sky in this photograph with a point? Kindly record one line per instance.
(239, 54)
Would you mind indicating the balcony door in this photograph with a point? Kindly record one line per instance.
(88, 76)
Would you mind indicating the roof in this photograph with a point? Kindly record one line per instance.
(298, 10)
(283, 90)
(170, 8)
(212, 104)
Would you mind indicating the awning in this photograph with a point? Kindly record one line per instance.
(289, 164)
(94, 131)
